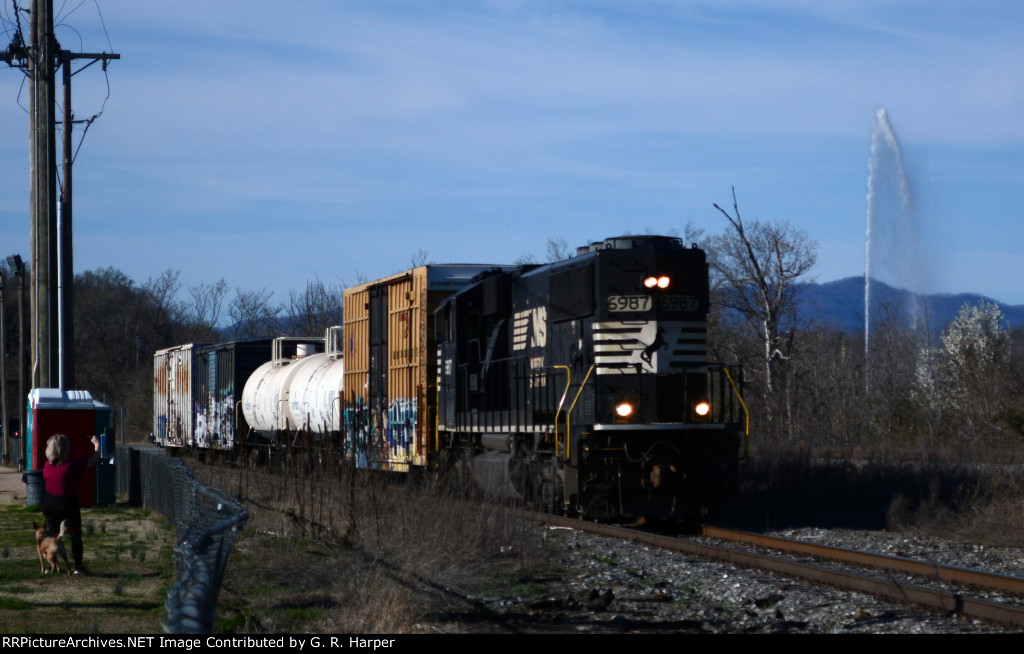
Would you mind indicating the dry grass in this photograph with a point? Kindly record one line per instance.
(330, 549)
(936, 495)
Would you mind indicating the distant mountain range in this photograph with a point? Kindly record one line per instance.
(840, 304)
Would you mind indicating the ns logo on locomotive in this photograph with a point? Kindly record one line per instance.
(578, 386)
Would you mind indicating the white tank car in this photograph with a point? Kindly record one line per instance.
(266, 398)
(314, 394)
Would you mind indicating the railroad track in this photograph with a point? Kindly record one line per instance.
(935, 586)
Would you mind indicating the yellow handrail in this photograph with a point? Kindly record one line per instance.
(568, 414)
(565, 393)
(746, 412)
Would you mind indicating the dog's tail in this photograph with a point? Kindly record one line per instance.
(63, 529)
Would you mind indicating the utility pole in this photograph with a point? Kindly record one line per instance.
(4, 424)
(51, 227)
(17, 266)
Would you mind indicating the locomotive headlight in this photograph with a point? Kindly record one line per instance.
(624, 409)
(660, 282)
(702, 409)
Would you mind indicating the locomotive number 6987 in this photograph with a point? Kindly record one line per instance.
(621, 303)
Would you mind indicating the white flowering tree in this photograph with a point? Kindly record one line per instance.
(965, 381)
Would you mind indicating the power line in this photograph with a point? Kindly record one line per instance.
(39, 57)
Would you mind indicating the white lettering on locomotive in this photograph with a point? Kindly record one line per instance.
(530, 328)
(656, 347)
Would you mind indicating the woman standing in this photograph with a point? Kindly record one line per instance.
(62, 477)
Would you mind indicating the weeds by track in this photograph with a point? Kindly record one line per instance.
(329, 548)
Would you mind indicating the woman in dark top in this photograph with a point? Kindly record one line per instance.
(62, 477)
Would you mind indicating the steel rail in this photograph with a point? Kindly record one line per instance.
(941, 600)
(930, 569)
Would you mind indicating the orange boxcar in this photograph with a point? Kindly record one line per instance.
(391, 364)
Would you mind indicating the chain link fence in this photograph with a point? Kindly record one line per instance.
(206, 522)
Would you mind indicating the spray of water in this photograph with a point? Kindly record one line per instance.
(891, 242)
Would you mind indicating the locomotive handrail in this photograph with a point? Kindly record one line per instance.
(437, 412)
(561, 402)
(746, 412)
(568, 414)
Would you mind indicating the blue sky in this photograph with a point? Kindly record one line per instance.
(270, 143)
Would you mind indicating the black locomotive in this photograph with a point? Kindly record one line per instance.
(584, 384)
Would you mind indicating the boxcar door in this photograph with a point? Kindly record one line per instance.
(378, 390)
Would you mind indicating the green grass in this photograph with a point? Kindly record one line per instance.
(244, 623)
(13, 604)
(121, 594)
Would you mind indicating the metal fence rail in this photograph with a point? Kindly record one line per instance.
(206, 522)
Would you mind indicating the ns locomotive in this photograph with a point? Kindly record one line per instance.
(579, 386)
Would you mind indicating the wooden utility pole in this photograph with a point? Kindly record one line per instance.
(43, 170)
(51, 227)
(4, 423)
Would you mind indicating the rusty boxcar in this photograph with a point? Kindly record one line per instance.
(173, 404)
(197, 390)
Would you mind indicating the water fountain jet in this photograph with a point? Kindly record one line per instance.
(891, 241)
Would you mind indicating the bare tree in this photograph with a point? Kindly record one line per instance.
(759, 266)
(526, 259)
(118, 326)
(316, 308)
(418, 258)
(168, 313)
(691, 234)
(558, 249)
(163, 289)
(203, 313)
(253, 314)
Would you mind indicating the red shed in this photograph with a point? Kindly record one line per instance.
(72, 413)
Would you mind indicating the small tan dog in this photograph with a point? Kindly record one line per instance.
(50, 547)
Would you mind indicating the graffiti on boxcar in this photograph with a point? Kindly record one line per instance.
(402, 421)
(202, 432)
(355, 419)
(215, 420)
(379, 440)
